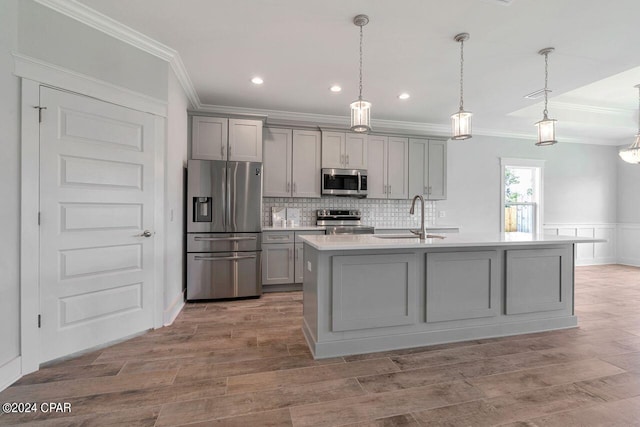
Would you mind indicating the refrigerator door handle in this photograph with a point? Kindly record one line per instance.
(231, 199)
(222, 258)
(234, 239)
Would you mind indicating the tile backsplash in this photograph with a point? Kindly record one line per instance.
(379, 213)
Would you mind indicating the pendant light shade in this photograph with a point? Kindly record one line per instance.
(631, 154)
(461, 121)
(546, 126)
(360, 109)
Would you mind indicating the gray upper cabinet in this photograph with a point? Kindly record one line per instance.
(388, 167)
(291, 163)
(216, 138)
(209, 138)
(277, 162)
(343, 150)
(428, 168)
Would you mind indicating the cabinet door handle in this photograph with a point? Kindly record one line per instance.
(429, 190)
(384, 189)
(342, 159)
(296, 254)
(389, 192)
(290, 253)
(295, 188)
(424, 190)
(288, 187)
(230, 146)
(222, 151)
(347, 160)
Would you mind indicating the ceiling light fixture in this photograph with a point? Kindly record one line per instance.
(546, 126)
(461, 121)
(335, 88)
(257, 81)
(404, 95)
(631, 154)
(360, 109)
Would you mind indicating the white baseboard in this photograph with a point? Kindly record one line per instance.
(10, 372)
(171, 312)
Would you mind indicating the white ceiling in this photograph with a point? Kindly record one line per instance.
(301, 47)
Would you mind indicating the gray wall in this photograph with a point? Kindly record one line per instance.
(176, 161)
(52, 37)
(579, 182)
(628, 191)
(9, 186)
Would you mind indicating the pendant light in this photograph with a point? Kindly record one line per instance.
(461, 121)
(546, 126)
(631, 154)
(361, 109)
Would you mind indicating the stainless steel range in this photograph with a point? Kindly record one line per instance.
(342, 221)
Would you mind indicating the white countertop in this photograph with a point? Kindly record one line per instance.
(372, 241)
(296, 228)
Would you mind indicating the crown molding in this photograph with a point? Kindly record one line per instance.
(96, 20)
(589, 108)
(45, 73)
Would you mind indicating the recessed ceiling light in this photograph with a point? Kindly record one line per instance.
(404, 95)
(257, 81)
(335, 88)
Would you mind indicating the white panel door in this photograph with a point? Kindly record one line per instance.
(333, 150)
(377, 171)
(209, 138)
(277, 162)
(96, 199)
(306, 163)
(398, 168)
(356, 151)
(245, 140)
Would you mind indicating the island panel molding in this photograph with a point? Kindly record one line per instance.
(538, 280)
(373, 291)
(462, 285)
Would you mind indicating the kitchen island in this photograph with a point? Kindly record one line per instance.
(368, 293)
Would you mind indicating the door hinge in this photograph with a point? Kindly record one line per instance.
(39, 321)
(40, 112)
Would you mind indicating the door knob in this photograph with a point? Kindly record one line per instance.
(146, 233)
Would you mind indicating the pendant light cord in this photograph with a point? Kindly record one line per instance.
(360, 93)
(546, 79)
(461, 75)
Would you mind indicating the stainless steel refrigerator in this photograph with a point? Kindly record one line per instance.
(224, 211)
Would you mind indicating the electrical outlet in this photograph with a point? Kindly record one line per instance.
(442, 214)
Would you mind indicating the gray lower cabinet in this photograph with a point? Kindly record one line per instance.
(277, 263)
(538, 280)
(283, 258)
(462, 285)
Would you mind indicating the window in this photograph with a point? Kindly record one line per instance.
(521, 195)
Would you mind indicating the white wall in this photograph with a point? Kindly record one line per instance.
(628, 212)
(57, 39)
(579, 183)
(176, 161)
(9, 187)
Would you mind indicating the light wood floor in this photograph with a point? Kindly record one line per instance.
(245, 363)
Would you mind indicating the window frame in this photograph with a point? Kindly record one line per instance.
(526, 163)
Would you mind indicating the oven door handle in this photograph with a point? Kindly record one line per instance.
(359, 183)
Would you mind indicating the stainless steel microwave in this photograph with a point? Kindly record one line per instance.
(344, 182)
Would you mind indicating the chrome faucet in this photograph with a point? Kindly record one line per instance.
(422, 233)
